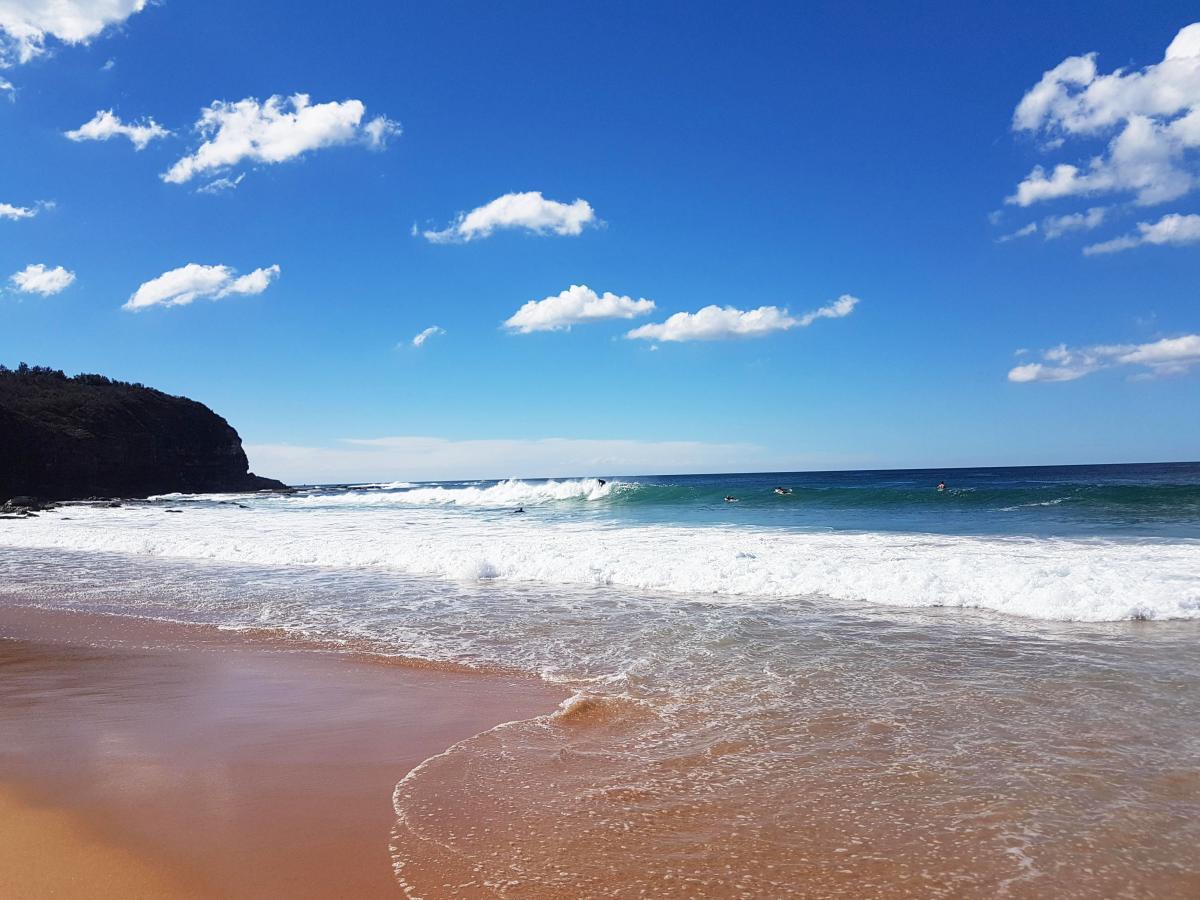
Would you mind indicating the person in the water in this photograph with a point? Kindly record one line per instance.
(729, 499)
(783, 490)
(519, 509)
(602, 482)
(941, 485)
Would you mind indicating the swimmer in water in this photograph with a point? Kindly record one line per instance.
(782, 491)
(729, 499)
(519, 509)
(941, 485)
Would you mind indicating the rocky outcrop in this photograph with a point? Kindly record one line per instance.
(72, 438)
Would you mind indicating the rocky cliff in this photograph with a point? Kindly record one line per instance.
(71, 438)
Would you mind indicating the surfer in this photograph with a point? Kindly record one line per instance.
(782, 491)
(941, 485)
(729, 499)
(602, 482)
(519, 509)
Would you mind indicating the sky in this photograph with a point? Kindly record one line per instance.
(454, 240)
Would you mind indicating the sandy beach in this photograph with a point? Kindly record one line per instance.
(146, 760)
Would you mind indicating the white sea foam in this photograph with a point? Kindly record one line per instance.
(501, 495)
(1072, 580)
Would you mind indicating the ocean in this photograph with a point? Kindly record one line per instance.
(860, 685)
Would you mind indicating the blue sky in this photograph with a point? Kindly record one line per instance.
(744, 156)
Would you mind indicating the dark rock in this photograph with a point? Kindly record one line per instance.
(87, 436)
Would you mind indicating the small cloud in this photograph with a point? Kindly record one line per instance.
(8, 211)
(6, 87)
(1169, 356)
(1173, 229)
(1028, 230)
(38, 279)
(1056, 226)
(220, 185)
(181, 286)
(574, 306)
(420, 339)
(715, 323)
(109, 65)
(106, 124)
(276, 130)
(529, 211)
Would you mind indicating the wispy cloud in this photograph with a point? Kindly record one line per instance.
(715, 323)
(220, 185)
(1169, 356)
(419, 458)
(106, 125)
(1053, 227)
(1173, 229)
(420, 339)
(529, 211)
(25, 25)
(182, 286)
(276, 130)
(576, 305)
(40, 279)
(1152, 115)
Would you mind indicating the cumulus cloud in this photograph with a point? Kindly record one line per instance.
(8, 211)
(25, 25)
(715, 323)
(181, 286)
(1150, 118)
(577, 304)
(1169, 356)
(419, 339)
(106, 124)
(529, 210)
(276, 130)
(1171, 229)
(38, 279)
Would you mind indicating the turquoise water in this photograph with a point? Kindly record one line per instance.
(1153, 500)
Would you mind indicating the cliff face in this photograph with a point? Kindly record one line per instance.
(71, 438)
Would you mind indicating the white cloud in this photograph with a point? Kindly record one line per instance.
(528, 210)
(195, 282)
(1169, 356)
(8, 211)
(37, 279)
(276, 130)
(106, 124)
(419, 339)
(1024, 231)
(1053, 227)
(6, 87)
(418, 458)
(714, 323)
(26, 24)
(1056, 226)
(577, 304)
(1152, 115)
(1170, 229)
(220, 185)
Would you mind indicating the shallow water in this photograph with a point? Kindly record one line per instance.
(761, 708)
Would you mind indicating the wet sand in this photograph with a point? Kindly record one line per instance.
(143, 760)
